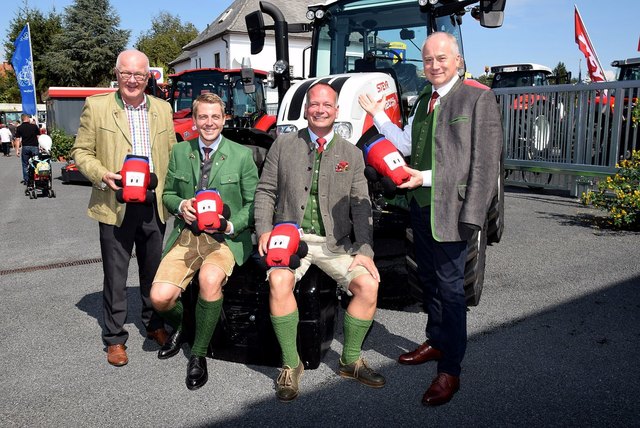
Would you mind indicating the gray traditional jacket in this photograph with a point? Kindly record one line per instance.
(285, 184)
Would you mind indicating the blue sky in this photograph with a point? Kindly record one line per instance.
(539, 31)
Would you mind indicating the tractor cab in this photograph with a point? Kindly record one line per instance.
(241, 89)
(519, 75)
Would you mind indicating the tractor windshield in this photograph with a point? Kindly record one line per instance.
(631, 72)
(227, 85)
(517, 79)
(370, 35)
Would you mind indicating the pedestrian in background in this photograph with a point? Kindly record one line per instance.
(26, 143)
(112, 126)
(6, 138)
(454, 138)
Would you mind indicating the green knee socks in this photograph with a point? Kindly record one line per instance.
(354, 332)
(286, 329)
(173, 316)
(207, 316)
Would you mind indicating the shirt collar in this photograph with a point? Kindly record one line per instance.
(444, 90)
(213, 147)
(122, 104)
(328, 137)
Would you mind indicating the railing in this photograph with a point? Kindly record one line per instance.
(566, 135)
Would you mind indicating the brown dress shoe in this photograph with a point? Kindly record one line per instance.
(117, 355)
(424, 353)
(160, 336)
(441, 390)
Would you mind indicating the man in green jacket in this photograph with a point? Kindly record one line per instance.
(208, 162)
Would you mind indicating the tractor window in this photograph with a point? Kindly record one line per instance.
(246, 104)
(630, 73)
(187, 87)
(363, 36)
(518, 79)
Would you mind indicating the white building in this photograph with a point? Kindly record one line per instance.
(225, 43)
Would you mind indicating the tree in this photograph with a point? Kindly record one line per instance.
(561, 73)
(43, 29)
(485, 79)
(164, 41)
(85, 52)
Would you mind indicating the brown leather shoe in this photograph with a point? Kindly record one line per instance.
(424, 353)
(117, 355)
(160, 336)
(441, 390)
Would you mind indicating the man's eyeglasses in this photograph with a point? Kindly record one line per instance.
(126, 75)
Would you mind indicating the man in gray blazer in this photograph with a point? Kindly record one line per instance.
(454, 138)
(316, 179)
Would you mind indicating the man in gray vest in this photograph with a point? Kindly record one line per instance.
(315, 178)
(454, 138)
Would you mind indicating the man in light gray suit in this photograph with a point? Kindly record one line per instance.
(454, 138)
(316, 179)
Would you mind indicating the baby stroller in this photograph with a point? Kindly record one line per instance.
(40, 177)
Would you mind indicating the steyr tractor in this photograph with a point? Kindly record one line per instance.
(357, 46)
(242, 90)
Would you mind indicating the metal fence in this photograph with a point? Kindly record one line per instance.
(567, 136)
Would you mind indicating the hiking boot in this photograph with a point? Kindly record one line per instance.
(360, 371)
(287, 383)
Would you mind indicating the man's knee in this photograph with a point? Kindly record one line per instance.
(281, 282)
(365, 287)
(211, 279)
(163, 296)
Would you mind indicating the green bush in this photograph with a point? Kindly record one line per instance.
(619, 195)
(62, 144)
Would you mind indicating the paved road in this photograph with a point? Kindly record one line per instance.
(555, 340)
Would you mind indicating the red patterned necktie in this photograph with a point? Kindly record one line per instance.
(432, 101)
(207, 150)
(321, 142)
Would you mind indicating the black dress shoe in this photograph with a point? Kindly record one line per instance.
(171, 346)
(196, 372)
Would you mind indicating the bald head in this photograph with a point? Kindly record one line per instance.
(132, 55)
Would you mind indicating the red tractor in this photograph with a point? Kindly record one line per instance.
(243, 92)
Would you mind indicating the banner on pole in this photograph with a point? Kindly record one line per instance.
(596, 72)
(22, 62)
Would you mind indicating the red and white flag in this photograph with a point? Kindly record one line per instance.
(596, 72)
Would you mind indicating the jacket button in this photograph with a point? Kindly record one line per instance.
(306, 188)
(302, 207)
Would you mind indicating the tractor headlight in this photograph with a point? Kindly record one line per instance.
(280, 66)
(343, 129)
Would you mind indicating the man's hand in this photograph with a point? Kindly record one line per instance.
(369, 105)
(263, 243)
(188, 211)
(367, 263)
(415, 181)
(109, 178)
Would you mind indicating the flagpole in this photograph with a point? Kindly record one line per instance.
(589, 38)
(33, 73)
